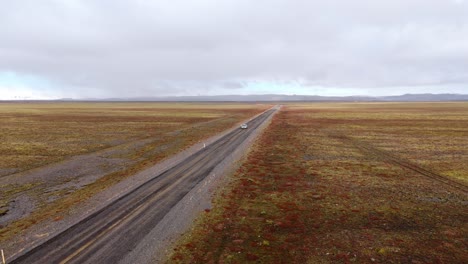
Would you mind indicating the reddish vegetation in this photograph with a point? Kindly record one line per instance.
(306, 195)
(139, 135)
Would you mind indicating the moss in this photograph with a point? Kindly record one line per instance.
(344, 204)
(68, 126)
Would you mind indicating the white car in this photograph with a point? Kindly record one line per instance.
(243, 126)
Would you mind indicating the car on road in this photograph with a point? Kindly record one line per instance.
(243, 126)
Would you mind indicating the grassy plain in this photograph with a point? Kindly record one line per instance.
(35, 134)
(139, 135)
(328, 183)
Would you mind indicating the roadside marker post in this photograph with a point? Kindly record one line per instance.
(3, 258)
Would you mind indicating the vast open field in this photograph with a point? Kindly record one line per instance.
(342, 183)
(34, 134)
(54, 156)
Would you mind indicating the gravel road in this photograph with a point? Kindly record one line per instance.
(111, 233)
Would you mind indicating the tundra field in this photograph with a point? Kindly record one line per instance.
(343, 183)
(54, 156)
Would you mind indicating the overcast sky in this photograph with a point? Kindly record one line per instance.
(109, 48)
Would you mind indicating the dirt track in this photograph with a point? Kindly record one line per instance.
(109, 234)
(366, 148)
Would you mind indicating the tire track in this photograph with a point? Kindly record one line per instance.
(389, 157)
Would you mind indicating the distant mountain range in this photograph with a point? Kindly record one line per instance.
(294, 98)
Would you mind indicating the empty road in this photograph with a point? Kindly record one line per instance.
(108, 235)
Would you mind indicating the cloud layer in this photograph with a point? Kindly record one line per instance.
(125, 48)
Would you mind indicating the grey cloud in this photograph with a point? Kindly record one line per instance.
(202, 46)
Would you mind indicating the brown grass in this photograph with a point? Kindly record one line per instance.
(41, 133)
(35, 134)
(306, 194)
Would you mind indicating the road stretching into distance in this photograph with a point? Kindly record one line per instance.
(107, 235)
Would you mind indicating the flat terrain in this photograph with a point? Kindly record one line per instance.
(54, 156)
(35, 134)
(343, 183)
(109, 234)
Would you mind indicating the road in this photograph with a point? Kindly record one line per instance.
(108, 235)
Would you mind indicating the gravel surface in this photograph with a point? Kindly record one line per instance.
(155, 247)
(43, 231)
(20, 206)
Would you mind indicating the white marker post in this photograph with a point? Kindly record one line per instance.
(204, 145)
(3, 258)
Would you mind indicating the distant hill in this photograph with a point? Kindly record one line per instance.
(426, 97)
(253, 98)
(293, 98)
